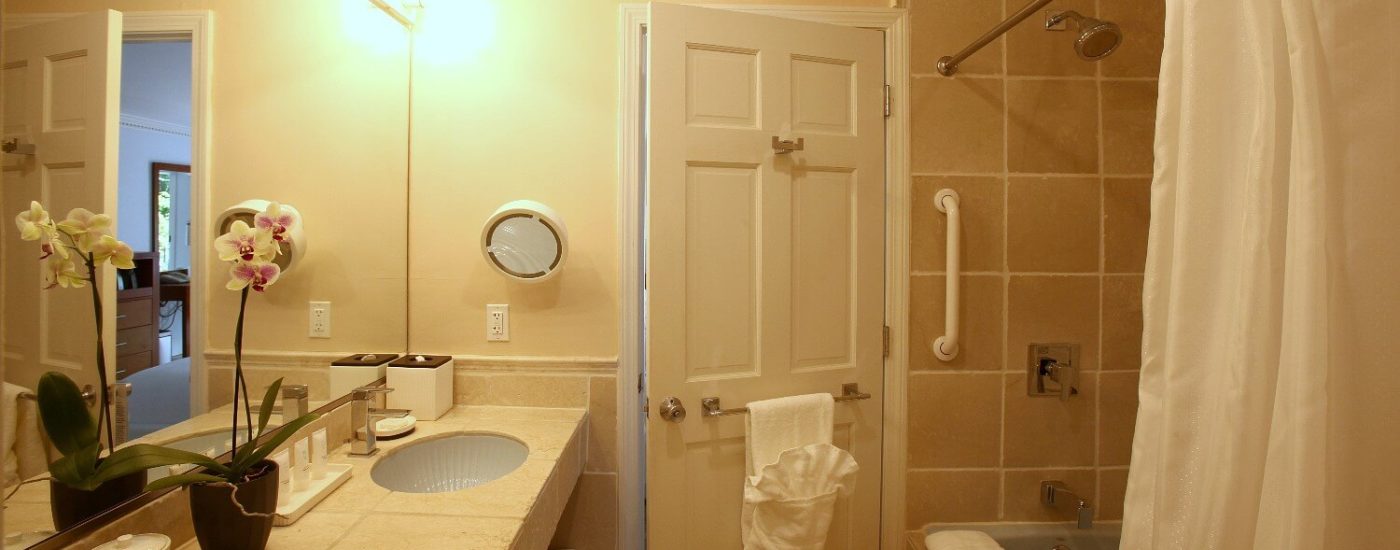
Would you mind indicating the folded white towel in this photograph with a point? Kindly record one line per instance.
(960, 540)
(26, 450)
(776, 425)
(789, 505)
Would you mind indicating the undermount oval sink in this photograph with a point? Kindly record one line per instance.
(450, 463)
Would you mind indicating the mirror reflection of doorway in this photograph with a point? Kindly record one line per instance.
(155, 208)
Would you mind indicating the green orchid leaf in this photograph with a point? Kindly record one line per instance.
(74, 469)
(183, 479)
(136, 458)
(268, 399)
(261, 451)
(64, 414)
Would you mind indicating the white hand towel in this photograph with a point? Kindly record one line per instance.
(789, 505)
(26, 450)
(960, 540)
(776, 425)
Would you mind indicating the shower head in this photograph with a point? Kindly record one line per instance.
(1097, 38)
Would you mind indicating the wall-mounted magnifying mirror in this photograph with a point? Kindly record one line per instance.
(525, 241)
(292, 248)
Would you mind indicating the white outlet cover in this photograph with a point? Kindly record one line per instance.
(498, 322)
(319, 320)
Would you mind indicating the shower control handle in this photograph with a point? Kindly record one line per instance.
(672, 410)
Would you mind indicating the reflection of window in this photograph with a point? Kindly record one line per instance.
(164, 239)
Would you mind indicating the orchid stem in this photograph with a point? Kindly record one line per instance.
(104, 416)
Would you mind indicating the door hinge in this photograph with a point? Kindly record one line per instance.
(887, 101)
(887, 340)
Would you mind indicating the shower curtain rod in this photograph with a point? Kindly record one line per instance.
(949, 64)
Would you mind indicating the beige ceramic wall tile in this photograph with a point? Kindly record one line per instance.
(980, 321)
(1045, 431)
(1113, 484)
(1142, 24)
(1122, 322)
(1052, 126)
(1032, 50)
(982, 208)
(946, 26)
(1118, 403)
(957, 125)
(1129, 122)
(1053, 309)
(1053, 225)
(520, 390)
(957, 496)
(1021, 499)
(602, 424)
(590, 520)
(954, 420)
(1127, 209)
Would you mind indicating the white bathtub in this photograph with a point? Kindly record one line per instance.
(1045, 536)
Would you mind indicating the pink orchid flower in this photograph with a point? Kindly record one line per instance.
(244, 243)
(258, 275)
(275, 221)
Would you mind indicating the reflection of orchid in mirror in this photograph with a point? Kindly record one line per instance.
(276, 221)
(252, 250)
(90, 236)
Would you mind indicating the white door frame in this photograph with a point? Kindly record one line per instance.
(198, 27)
(895, 24)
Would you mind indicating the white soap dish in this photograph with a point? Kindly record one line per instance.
(394, 428)
(303, 501)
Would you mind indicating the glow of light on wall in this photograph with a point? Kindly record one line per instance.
(369, 27)
(453, 31)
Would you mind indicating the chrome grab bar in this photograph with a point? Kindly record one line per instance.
(709, 406)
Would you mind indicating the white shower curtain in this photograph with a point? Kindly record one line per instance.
(1270, 393)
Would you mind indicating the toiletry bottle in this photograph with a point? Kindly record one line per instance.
(301, 470)
(284, 477)
(318, 454)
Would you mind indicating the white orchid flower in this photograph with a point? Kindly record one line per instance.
(118, 251)
(256, 274)
(245, 243)
(34, 222)
(275, 221)
(63, 273)
(85, 227)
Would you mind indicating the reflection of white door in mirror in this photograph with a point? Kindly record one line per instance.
(526, 241)
(61, 95)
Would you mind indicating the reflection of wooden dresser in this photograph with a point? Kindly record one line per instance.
(138, 314)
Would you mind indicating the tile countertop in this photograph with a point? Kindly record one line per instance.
(519, 510)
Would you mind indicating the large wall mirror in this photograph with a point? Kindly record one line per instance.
(163, 114)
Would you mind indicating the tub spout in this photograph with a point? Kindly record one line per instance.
(1058, 495)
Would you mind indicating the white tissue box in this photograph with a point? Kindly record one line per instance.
(423, 387)
(348, 373)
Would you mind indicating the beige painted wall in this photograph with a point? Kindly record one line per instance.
(310, 109)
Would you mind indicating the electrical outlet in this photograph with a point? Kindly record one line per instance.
(498, 322)
(320, 320)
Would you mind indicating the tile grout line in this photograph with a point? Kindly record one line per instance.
(1005, 263)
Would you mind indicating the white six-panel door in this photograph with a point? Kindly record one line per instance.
(61, 94)
(765, 270)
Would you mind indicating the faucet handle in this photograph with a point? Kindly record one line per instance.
(363, 392)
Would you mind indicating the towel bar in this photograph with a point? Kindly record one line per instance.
(709, 406)
(88, 395)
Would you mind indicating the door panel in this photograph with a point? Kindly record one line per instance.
(61, 86)
(765, 270)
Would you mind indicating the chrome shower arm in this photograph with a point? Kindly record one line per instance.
(949, 64)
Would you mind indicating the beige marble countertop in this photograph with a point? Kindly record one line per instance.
(519, 510)
(28, 510)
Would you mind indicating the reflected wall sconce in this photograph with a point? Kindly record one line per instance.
(405, 11)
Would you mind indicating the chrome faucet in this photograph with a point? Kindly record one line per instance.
(363, 418)
(1057, 494)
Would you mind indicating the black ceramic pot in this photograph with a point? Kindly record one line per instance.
(219, 524)
(71, 506)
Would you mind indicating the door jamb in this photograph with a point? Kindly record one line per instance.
(198, 26)
(894, 22)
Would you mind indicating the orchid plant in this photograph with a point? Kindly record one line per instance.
(82, 238)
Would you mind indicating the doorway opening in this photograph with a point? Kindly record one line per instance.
(156, 208)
